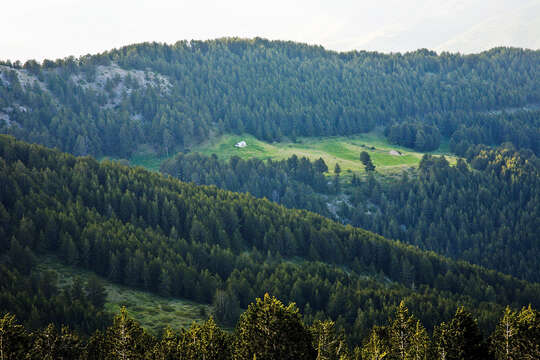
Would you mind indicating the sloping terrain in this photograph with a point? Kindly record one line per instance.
(152, 232)
(173, 97)
(152, 311)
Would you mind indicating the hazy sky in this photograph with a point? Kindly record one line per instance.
(58, 28)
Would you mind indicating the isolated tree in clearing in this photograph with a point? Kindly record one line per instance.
(366, 160)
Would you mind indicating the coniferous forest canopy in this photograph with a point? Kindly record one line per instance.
(270, 330)
(171, 96)
(438, 262)
(485, 210)
(147, 231)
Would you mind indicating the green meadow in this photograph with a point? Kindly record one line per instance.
(342, 150)
(152, 311)
(338, 149)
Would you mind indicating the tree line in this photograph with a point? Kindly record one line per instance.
(294, 182)
(270, 330)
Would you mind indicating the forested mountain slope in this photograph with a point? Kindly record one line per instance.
(171, 96)
(486, 211)
(157, 233)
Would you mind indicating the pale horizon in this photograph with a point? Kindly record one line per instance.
(60, 28)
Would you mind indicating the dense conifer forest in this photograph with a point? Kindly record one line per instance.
(485, 210)
(295, 182)
(439, 262)
(172, 96)
(157, 233)
(270, 330)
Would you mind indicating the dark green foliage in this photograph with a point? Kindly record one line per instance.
(13, 339)
(377, 345)
(366, 160)
(418, 136)
(521, 128)
(294, 182)
(50, 344)
(517, 336)
(37, 301)
(96, 293)
(191, 240)
(329, 342)
(407, 337)
(320, 166)
(226, 307)
(206, 341)
(459, 339)
(269, 89)
(269, 330)
(126, 339)
(488, 215)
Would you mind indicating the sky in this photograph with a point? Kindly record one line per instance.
(58, 28)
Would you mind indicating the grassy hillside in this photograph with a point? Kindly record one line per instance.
(342, 150)
(154, 312)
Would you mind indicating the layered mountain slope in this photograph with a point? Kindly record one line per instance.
(171, 96)
(157, 233)
(486, 212)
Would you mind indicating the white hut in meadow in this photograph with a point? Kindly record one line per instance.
(241, 144)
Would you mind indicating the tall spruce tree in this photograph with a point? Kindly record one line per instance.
(460, 338)
(517, 335)
(408, 338)
(13, 338)
(269, 330)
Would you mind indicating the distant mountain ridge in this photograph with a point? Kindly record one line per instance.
(173, 96)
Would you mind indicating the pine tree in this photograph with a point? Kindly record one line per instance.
(408, 339)
(48, 344)
(126, 339)
(13, 338)
(517, 336)
(377, 347)
(226, 307)
(167, 347)
(329, 343)
(366, 160)
(420, 342)
(320, 165)
(269, 330)
(337, 169)
(95, 292)
(206, 341)
(505, 339)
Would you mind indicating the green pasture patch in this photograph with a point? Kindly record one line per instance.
(343, 150)
(152, 311)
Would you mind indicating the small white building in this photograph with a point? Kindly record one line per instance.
(241, 144)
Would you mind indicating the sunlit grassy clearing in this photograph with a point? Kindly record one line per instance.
(152, 311)
(342, 150)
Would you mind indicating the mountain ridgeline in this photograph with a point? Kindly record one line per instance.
(156, 233)
(172, 96)
(295, 183)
